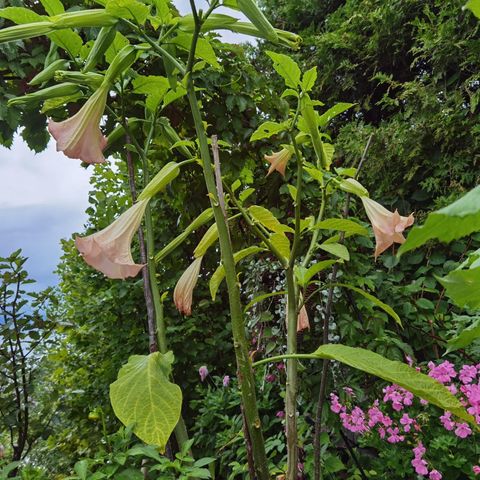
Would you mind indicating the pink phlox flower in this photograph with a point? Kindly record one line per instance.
(443, 372)
(336, 406)
(467, 373)
(463, 430)
(435, 475)
(447, 421)
(423, 402)
(398, 396)
(348, 391)
(409, 360)
(354, 421)
(394, 436)
(419, 450)
(406, 421)
(452, 388)
(381, 432)
(280, 414)
(203, 372)
(226, 381)
(476, 469)
(420, 466)
(375, 416)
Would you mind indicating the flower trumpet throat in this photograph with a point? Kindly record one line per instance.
(387, 226)
(108, 251)
(80, 136)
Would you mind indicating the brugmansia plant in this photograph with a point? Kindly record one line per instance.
(307, 246)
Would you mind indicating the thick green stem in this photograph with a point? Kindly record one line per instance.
(245, 373)
(292, 313)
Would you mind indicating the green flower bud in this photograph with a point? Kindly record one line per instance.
(49, 72)
(91, 79)
(33, 99)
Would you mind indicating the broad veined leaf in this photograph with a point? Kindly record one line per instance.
(309, 79)
(463, 287)
(287, 68)
(449, 223)
(53, 7)
(396, 372)
(342, 225)
(267, 129)
(219, 274)
(130, 9)
(336, 249)
(268, 220)
(328, 151)
(154, 86)
(144, 396)
(337, 109)
(259, 298)
(81, 469)
(20, 15)
(67, 39)
(386, 308)
(281, 243)
(203, 49)
(474, 7)
(465, 337)
(304, 275)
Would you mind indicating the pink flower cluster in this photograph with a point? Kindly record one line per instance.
(395, 428)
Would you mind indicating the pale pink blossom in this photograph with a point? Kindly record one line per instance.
(226, 381)
(387, 226)
(203, 372)
(476, 469)
(80, 136)
(302, 320)
(183, 293)
(435, 475)
(278, 161)
(108, 251)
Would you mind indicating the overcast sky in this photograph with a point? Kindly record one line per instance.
(43, 196)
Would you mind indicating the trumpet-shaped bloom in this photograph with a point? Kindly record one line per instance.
(387, 226)
(302, 320)
(278, 161)
(183, 293)
(80, 136)
(108, 251)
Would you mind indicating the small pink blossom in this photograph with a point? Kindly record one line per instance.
(443, 372)
(463, 430)
(406, 421)
(435, 475)
(467, 374)
(226, 381)
(447, 421)
(476, 469)
(280, 414)
(394, 436)
(203, 372)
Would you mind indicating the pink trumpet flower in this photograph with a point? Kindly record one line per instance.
(302, 320)
(108, 251)
(183, 293)
(387, 226)
(80, 136)
(278, 161)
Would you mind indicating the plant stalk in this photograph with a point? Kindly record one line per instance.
(245, 373)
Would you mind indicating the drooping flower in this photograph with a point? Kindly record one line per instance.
(387, 226)
(80, 136)
(278, 161)
(109, 250)
(226, 381)
(302, 320)
(183, 293)
(203, 372)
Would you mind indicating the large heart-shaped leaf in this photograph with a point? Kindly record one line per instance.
(144, 396)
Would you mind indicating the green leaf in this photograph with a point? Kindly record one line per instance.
(287, 68)
(309, 79)
(259, 298)
(154, 86)
(342, 225)
(454, 221)
(203, 49)
(245, 194)
(129, 474)
(474, 7)
(208, 239)
(267, 129)
(144, 396)
(67, 39)
(20, 15)
(465, 337)
(324, 119)
(281, 243)
(81, 469)
(336, 249)
(116, 46)
(396, 372)
(268, 220)
(130, 9)
(219, 274)
(316, 268)
(386, 308)
(310, 119)
(463, 287)
(53, 7)
(328, 151)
